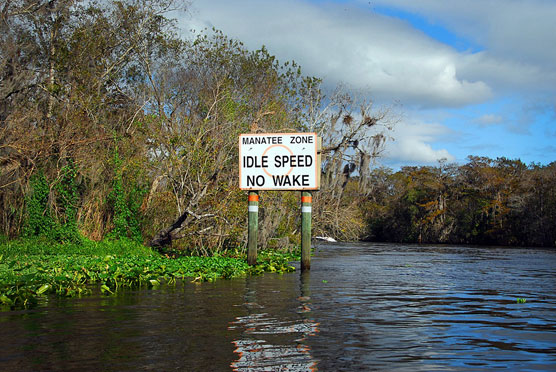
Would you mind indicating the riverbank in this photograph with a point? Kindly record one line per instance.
(33, 268)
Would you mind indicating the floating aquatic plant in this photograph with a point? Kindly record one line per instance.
(31, 272)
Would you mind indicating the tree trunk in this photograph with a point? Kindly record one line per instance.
(165, 236)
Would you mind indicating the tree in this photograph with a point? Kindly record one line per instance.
(217, 91)
(353, 134)
(70, 87)
(486, 201)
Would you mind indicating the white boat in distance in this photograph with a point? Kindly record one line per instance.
(326, 239)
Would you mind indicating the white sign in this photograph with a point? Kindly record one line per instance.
(278, 161)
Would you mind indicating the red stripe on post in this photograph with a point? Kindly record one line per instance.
(253, 198)
(306, 199)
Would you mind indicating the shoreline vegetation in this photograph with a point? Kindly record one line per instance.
(31, 269)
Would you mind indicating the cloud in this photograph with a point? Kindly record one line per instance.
(478, 62)
(507, 75)
(517, 37)
(413, 143)
(343, 43)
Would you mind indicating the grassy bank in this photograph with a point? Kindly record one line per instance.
(33, 268)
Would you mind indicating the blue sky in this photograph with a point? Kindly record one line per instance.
(433, 28)
(474, 77)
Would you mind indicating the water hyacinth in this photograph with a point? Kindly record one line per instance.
(30, 272)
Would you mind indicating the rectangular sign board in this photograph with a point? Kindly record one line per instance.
(278, 161)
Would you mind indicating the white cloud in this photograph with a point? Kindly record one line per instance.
(413, 143)
(518, 37)
(346, 41)
(342, 43)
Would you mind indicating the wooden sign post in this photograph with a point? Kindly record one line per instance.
(252, 232)
(306, 210)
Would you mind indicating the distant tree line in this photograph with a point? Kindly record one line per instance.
(485, 201)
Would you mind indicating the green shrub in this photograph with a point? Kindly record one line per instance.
(125, 204)
(38, 220)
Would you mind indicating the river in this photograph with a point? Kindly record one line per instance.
(362, 307)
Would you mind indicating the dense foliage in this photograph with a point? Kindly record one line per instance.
(113, 126)
(486, 201)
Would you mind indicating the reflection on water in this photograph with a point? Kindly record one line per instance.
(257, 354)
(271, 344)
(362, 307)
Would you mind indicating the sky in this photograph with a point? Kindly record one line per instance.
(474, 77)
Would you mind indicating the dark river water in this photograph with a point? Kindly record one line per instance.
(362, 307)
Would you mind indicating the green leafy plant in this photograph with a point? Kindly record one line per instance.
(66, 226)
(125, 205)
(33, 268)
(38, 220)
